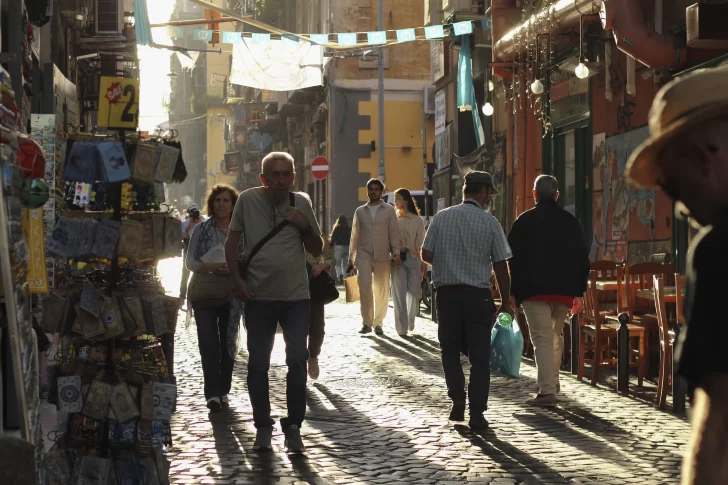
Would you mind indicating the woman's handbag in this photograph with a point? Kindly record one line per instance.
(322, 287)
(209, 290)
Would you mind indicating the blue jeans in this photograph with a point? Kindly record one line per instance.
(341, 257)
(217, 364)
(261, 319)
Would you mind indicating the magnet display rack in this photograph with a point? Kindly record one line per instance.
(138, 361)
(20, 408)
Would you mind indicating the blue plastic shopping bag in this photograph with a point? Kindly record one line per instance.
(506, 345)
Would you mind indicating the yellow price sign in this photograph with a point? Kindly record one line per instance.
(118, 102)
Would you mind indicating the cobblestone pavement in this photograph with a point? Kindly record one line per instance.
(378, 414)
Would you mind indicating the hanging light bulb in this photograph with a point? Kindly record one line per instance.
(488, 109)
(537, 87)
(491, 86)
(581, 71)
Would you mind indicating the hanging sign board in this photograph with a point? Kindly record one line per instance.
(118, 103)
(440, 112)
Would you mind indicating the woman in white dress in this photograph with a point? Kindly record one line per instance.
(407, 278)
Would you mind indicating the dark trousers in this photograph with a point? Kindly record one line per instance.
(261, 320)
(464, 324)
(185, 276)
(217, 364)
(316, 329)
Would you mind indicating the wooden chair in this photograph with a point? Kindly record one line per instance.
(667, 340)
(680, 283)
(641, 312)
(640, 277)
(601, 333)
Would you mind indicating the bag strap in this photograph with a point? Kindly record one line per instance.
(272, 234)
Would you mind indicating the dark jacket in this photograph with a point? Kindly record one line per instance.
(550, 256)
(341, 236)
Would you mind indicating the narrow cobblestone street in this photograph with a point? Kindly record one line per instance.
(378, 414)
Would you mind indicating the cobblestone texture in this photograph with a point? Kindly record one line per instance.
(378, 414)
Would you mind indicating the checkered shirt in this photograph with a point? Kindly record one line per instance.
(465, 242)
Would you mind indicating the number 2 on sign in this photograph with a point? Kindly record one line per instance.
(118, 102)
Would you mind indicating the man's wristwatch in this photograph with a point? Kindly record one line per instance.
(308, 232)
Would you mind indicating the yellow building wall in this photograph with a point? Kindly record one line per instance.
(402, 127)
(216, 145)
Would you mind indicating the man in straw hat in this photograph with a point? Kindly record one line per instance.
(687, 156)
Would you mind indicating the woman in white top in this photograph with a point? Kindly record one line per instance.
(407, 278)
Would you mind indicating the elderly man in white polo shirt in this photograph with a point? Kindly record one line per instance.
(464, 244)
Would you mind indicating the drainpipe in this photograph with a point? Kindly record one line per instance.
(505, 15)
(567, 14)
(511, 168)
(521, 140)
(627, 21)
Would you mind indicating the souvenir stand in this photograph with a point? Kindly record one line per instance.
(21, 443)
(112, 379)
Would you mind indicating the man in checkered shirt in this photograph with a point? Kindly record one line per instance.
(464, 244)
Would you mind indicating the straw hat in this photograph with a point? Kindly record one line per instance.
(680, 105)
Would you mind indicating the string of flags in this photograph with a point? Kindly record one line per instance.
(340, 40)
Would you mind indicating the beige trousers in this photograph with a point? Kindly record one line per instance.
(373, 279)
(546, 326)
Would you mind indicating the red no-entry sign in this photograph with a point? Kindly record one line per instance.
(320, 168)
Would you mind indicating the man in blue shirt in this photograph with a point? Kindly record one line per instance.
(464, 244)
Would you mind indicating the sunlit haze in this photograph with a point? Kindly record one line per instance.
(154, 67)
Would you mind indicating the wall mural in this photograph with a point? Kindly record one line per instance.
(628, 222)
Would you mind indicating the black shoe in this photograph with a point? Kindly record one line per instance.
(365, 329)
(378, 330)
(213, 404)
(477, 422)
(457, 412)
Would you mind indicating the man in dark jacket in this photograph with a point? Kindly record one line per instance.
(549, 272)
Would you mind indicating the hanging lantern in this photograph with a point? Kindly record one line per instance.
(30, 158)
(34, 193)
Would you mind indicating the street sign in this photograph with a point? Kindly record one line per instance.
(118, 103)
(320, 168)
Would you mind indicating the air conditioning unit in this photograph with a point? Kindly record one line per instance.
(109, 17)
(430, 100)
(452, 7)
(433, 12)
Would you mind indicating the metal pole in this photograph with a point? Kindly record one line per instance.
(380, 26)
(424, 151)
(678, 382)
(622, 355)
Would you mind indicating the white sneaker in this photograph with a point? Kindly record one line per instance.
(411, 327)
(313, 368)
(263, 439)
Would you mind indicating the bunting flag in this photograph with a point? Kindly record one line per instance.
(342, 40)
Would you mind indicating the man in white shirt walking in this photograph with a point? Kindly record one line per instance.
(374, 243)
